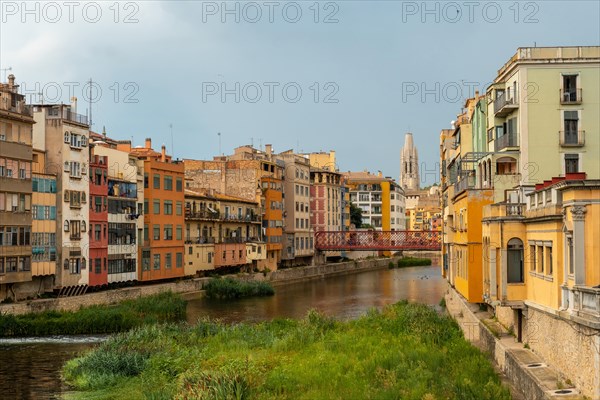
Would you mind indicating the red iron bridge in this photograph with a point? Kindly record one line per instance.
(378, 240)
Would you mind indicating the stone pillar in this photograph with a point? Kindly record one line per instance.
(493, 280)
(578, 214)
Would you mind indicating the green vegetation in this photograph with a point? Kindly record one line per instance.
(413, 262)
(163, 307)
(406, 351)
(228, 288)
(355, 215)
(443, 302)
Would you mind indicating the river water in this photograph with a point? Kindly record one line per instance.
(30, 368)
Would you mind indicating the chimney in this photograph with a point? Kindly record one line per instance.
(268, 149)
(148, 143)
(11, 83)
(476, 94)
(74, 105)
(163, 153)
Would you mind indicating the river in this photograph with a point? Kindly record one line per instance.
(30, 368)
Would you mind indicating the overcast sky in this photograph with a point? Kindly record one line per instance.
(352, 76)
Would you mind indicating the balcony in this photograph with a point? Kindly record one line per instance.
(505, 141)
(241, 218)
(202, 214)
(572, 138)
(583, 302)
(506, 103)
(70, 116)
(570, 96)
(514, 209)
(19, 107)
(200, 240)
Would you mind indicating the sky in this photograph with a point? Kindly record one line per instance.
(349, 76)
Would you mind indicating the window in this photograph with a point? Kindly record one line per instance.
(569, 93)
(178, 208)
(75, 169)
(11, 264)
(549, 260)
(570, 254)
(156, 207)
(146, 207)
(571, 163)
(179, 233)
(98, 265)
(540, 259)
(146, 260)
(156, 181)
(179, 184)
(97, 232)
(156, 261)
(156, 232)
(168, 182)
(146, 179)
(168, 207)
(168, 260)
(571, 127)
(179, 260)
(168, 232)
(515, 261)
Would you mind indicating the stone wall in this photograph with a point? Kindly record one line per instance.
(571, 348)
(571, 351)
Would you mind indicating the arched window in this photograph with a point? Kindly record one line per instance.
(515, 261)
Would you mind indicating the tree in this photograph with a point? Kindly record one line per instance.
(355, 215)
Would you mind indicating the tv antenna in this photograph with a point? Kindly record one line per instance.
(5, 70)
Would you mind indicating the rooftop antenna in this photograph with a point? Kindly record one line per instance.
(251, 142)
(90, 101)
(219, 134)
(172, 149)
(6, 69)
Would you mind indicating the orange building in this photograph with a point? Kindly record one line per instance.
(162, 245)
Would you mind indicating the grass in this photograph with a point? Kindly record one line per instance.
(406, 351)
(100, 319)
(413, 262)
(228, 288)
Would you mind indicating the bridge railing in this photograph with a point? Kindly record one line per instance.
(378, 240)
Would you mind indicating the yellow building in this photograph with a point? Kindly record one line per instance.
(380, 198)
(221, 231)
(542, 273)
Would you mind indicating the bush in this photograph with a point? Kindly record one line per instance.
(163, 307)
(413, 262)
(228, 288)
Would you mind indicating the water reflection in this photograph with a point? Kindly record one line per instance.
(343, 297)
(32, 371)
(30, 368)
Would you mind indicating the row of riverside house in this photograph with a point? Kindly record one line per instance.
(81, 211)
(521, 205)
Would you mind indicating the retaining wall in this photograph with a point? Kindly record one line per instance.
(277, 278)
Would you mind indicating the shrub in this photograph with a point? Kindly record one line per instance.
(229, 288)
(413, 262)
(163, 307)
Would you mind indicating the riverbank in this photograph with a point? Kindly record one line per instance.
(96, 319)
(194, 285)
(529, 375)
(406, 351)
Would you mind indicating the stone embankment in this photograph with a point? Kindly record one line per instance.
(530, 377)
(276, 278)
